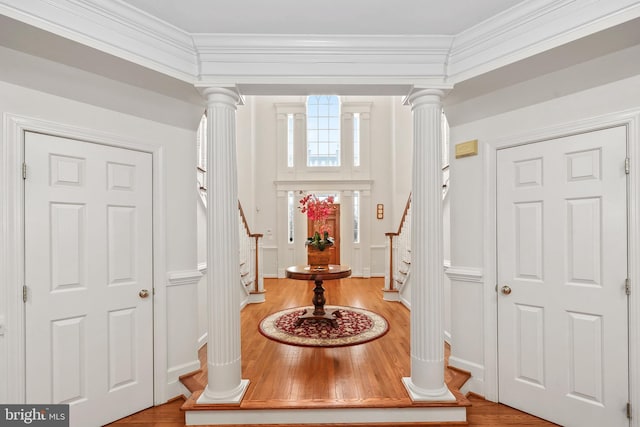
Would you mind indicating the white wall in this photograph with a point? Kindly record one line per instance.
(177, 145)
(402, 136)
(473, 315)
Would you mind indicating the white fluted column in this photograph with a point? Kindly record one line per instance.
(224, 361)
(427, 289)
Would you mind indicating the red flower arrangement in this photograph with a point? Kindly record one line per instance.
(318, 210)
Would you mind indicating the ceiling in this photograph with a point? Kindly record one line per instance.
(348, 17)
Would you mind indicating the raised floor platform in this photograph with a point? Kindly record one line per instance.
(346, 385)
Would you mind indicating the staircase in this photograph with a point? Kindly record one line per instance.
(398, 250)
(251, 276)
(250, 249)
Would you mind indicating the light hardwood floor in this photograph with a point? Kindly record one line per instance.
(283, 376)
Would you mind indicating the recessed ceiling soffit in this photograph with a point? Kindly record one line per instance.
(437, 61)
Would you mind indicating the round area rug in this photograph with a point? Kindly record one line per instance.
(355, 326)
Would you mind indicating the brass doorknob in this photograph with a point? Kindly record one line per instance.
(506, 290)
(143, 293)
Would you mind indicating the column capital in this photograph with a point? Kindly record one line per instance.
(225, 95)
(421, 96)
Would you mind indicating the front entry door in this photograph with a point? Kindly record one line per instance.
(88, 262)
(562, 265)
(333, 222)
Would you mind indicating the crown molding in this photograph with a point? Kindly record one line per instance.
(318, 59)
(275, 61)
(115, 28)
(530, 28)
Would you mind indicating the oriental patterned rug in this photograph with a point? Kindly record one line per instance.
(355, 326)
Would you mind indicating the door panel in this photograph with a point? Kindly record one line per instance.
(562, 264)
(88, 250)
(333, 222)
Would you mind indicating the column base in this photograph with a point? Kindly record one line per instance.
(418, 394)
(233, 396)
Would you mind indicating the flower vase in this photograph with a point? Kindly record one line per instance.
(317, 259)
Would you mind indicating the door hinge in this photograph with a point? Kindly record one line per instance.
(24, 171)
(627, 286)
(628, 410)
(627, 165)
(24, 293)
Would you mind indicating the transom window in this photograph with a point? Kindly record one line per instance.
(323, 131)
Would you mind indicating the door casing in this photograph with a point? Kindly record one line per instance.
(537, 290)
(12, 249)
(333, 221)
(488, 275)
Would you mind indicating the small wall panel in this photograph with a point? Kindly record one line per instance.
(584, 165)
(68, 360)
(585, 357)
(528, 173)
(68, 246)
(528, 235)
(121, 240)
(584, 245)
(530, 344)
(66, 171)
(120, 177)
(122, 348)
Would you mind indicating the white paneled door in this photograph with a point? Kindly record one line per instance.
(562, 265)
(88, 271)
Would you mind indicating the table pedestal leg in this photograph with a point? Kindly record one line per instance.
(318, 299)
(319, 313)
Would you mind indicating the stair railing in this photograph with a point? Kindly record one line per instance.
(398, 251)
(250, 254)
(250, 248)
(398, 248)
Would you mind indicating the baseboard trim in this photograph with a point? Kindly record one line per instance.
(173, 374)
(177, 389)
(476, 382)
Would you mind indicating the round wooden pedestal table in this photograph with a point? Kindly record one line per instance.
(304, 272)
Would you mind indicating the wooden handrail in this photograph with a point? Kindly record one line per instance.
(246, 224)
(203, 171)
(404, 216)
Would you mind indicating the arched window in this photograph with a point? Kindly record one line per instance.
(323, 130)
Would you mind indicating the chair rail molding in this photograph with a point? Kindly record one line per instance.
(185, 277)
(464, 274)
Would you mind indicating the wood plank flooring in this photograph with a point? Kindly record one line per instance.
(283, 376)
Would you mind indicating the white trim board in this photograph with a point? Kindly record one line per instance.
(12, 247)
